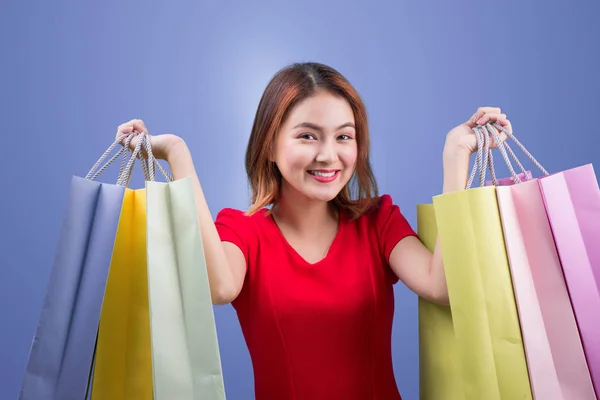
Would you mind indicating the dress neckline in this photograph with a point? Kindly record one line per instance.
(332, 248)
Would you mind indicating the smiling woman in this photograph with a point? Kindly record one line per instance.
(318, 151)
(311, 115)
(310, 267)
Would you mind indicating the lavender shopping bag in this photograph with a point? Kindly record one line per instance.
(62, 350)
(555, 358)
(572, 200)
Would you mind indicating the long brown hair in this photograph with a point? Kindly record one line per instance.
(287, 88)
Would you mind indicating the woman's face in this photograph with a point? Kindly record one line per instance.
(316, 148)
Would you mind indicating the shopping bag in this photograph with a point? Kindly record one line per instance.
(185, 352)
(557, 364)
(63, 346)
(123, 365)
(486, 325)
(439, 370)
(572, 201)
(123, 361)
(555, 358)
(556, 361)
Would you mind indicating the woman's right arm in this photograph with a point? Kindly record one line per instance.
(225, 262)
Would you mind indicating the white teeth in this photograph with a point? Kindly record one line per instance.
(323, 174)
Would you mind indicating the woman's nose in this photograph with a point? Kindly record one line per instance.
(327, 153)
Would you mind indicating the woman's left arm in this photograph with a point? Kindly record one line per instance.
(421, 270)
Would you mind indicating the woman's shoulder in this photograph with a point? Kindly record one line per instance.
(240, 228)
(236, 218)
(381, 207)
(383, 214)
(384, 201)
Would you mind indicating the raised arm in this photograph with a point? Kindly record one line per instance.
(225, 262)
(420, 269)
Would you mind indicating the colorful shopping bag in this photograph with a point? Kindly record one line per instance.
(123, 365)
(439, 369)
(556, 362)
(185, 352)
(572, 201)
(486, 325)
(63, 346)
(555, 357)
(123, 361)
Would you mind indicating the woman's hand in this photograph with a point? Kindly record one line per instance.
(461, 143)
(161, 144)
(462, 138)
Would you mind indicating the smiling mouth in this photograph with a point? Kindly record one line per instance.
(324, 176)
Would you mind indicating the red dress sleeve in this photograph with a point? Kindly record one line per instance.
(235, 227)
(392, 226)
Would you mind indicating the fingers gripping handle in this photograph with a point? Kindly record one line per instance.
(149, 164)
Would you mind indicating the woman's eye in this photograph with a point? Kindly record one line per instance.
(345, 137)
(307, 136)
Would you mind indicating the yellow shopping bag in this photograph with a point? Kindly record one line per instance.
(485, 320)
(440, 376)
(123, 366)
(488, 342)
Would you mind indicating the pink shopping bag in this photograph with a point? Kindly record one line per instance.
(572, 201)
(556, 361)
(555, 357)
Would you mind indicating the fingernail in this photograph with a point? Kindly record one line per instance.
(479, 121)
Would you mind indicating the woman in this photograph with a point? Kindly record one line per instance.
(310, 267)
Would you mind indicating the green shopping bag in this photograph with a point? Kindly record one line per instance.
(185, 354)
(440, 376)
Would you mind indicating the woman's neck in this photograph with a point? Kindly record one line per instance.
(303, 214)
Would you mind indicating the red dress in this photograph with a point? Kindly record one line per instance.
(319, 331)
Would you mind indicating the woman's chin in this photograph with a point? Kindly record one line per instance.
(321, 195)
